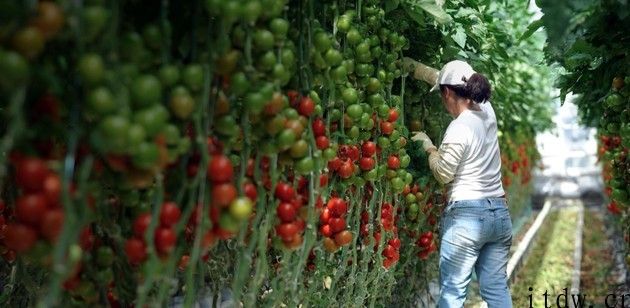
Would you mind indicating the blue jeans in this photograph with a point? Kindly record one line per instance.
(475, 234)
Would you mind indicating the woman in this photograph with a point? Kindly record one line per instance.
(475, 228)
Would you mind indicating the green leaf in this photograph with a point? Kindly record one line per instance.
(391, 5)
(460, 37)
(416, 15)
(531, 29)
(437, 12)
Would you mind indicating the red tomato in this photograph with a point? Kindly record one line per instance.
(343, 238)
(322, 142)
(393, 162)
(250, 191)
(301, 224)
(287, 231)
(169, 214)
(323, 180)
(319, 127)
(337, 224)
(346, 170)
(329, 245)
(389, 251)
(325, 230)
(284, 192)
(387, 127)
(51, 225)
(220, 169)
(366, 163)
(325, 215)
(52, 189)
(293, 96)
(423, 241)
(165, 239)
(354, 153)
(395, 242)
(337, 206)
(141, 224)
(306, 106)
(286, 212)
(31, 173)
(86, 239)
(30, 208)
(223, 194)
(368, 148)
(19, 237)
(136, 250)
(393, 115)
(334, 164)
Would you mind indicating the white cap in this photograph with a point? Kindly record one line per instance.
(454, 73)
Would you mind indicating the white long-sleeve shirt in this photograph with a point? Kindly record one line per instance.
(468, 159)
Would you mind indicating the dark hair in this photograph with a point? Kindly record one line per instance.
(477, 88)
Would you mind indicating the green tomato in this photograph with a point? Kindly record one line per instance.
(279, 27)
(101, 101)
(135, 134)
(146, 90)
(255, 102)
(193, 77)
(410, 198)
(322, 41)
(354, 111)
(114, 129)
(14, 69)
(383, 142)
(263, 39)
(91, 68)
(353, 37)
(152, 119)
(305, 165)
(398, 184)
(104, 256)
(371, 175)
(333, 57)
(226, 125)
(350, 95)
(354, 132)
(146, 155)
(329, 154)
(343, 23)
(229, 222)
(299, 149)
(286, 138)
(169, 75)
(241, 208)
(250, 11)
(239, 84)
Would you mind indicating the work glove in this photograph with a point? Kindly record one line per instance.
(426, 141)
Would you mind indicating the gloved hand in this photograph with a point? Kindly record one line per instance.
(426, 141)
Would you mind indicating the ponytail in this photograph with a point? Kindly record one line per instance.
(477, 88)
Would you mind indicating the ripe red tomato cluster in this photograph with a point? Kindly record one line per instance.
(333, 224)
(290, 215)
(344, 163)
(319, 130)
(426, 244)
(37, 212)
(165, 237)
(391, 252)
(227, 210)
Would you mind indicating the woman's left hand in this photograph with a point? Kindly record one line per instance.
(427, 144)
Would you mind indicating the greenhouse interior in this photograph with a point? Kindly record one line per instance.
(315, 153)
